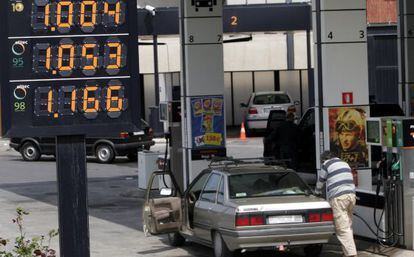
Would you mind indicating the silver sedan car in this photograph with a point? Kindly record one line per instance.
(259, 106)
(236, 207)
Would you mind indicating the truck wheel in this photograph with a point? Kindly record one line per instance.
(104, 153)
(220, 247)
(313, 250)
(30, 152)
(176, 239)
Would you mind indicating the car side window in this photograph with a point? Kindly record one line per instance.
(210, 190)
(220, 193)
(308, 119)
(197, 187)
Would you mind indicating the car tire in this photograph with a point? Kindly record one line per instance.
(313, 250)
(104, 153)
(176, 239)
(219, 246)
(30, 152)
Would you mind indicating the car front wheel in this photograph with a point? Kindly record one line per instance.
(220, 247)
(30, 152)
(104, 153)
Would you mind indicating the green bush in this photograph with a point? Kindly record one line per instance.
(25, 247)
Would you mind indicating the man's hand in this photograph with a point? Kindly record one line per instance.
(318, 192)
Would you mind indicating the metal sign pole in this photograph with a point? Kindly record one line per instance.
(73, 199)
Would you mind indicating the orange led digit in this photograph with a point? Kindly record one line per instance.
(84, 20)
(63, 63)
(90, 101)
(115, 13)
(50, 101)
(115, 51)
(48, 58)
(47, 15)
(73, 101)
(91, 59)
(116, 99)
(61, 20)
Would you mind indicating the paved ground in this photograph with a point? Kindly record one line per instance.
(114, 206)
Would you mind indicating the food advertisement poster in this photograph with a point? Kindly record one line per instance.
(207, 122)
(347, 135)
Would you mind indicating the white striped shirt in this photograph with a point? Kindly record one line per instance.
(338, 178)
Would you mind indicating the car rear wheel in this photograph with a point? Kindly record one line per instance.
(176, 239)
(220, 247)
(30, 152)
(313, 250)
(104, 153)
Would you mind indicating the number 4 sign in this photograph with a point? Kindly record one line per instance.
(347, 98)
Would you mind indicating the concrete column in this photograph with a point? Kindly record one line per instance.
(341, 62)
(202, 84)
(406, 55)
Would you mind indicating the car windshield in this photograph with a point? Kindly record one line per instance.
(271, 99)
(266, 184)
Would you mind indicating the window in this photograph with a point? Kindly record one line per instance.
(308, 119)
(220, 194)
(210, 190)
(198, 185)
(266, 184)
(271, 99)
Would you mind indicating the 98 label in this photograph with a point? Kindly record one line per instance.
(89, 100)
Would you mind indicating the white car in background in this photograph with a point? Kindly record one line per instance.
(259, 106)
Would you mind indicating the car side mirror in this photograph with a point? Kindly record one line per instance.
(297, 103)
(166, 192)
(243, 105)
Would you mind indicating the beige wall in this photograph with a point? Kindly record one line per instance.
(264, 52)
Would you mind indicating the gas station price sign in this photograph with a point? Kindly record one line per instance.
(69, 67)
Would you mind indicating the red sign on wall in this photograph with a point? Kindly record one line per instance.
(348, 98)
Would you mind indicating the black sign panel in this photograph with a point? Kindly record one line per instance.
(69, 67)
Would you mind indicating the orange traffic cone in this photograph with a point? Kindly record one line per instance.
(242, 132)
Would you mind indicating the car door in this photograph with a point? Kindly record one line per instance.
(203, 220)
(307, 147)
(220, 212)
(192, 195)
(162, 211)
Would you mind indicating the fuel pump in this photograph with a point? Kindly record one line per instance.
(170, 115)
(395, 179)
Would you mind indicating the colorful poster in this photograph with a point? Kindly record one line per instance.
(347, 135)
(207, 122)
